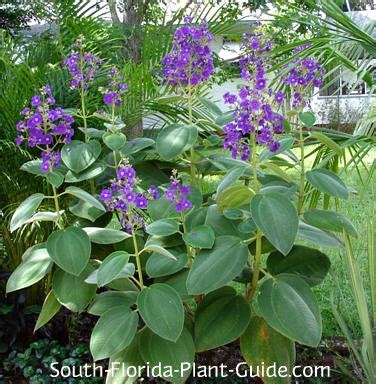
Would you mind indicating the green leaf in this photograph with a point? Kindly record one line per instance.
(212, 107)
(162, 310)
(307, 118)
(78, 156)
(261, 345)
(220, 318)
(49, 309)
(111, 267)
(230, 178)
(85, 196)
(158, 351)
(55, 178)
(107, 300)
(288, 305)
(328, 182)
(137, 145)
(163, 227)
(285, 144)
(44, 216)
(158, 265)
(317, 236)
(114, 141)
(25, 211)
(157, 248)
(277, 218)
(113, 332)
(308, 263)
(175, 139)
(85, 210)
(36, 263)
(195, 218)
(90, 173)
(328, 142)
(105, 235)
(234, 197)
(178, 281)
(161, 208)
(202, 236)
(330, 221)
(216, 267)
(128, 357)
(70, 249)
(72, 291)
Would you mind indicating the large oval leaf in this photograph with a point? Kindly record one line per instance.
(288, 305)
(36, 263)
(220, 319)
(330, 221)
(163, 227)
(175, 139)
(85, 196)
(25, 211)
(216, 267)
(317, 236)
(99, 235)
(160, 352)
(111, 267)
(308, 263)
(261, 345)
(162, 310)
(72, 291)
(113, 332)
(70, 249)
(114, 140)
(234, 196)
(277, 218)
(201, 236)
(49, 309)
(328, 182)
(109, 299)
(158, 265)
(78, 156)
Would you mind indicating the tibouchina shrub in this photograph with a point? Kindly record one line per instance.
(146, 251)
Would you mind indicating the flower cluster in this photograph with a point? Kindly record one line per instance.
(190, 61)
(177, 193)
(253, 114)
(81, 65)
(124, 197)
(45, 127)
(300, 74)
(113, 92)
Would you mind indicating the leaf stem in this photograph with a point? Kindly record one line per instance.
(192, 151)
(302, 171)
(256, 265)
(189, 250)
(57, 207)
(138, 262)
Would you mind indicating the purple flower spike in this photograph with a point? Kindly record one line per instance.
(190, 61)
(177, 193)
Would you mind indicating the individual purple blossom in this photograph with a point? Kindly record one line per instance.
(125, 198)
(177, 193)
(190, 61)
(114, 91)
(45, 127)
(81, 65)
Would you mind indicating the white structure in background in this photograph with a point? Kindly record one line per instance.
(342, 103)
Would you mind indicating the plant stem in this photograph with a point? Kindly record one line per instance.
(138, 262)
(190, 115)
(189, 250)
(256, 264)
(57, 207)
(302, 171)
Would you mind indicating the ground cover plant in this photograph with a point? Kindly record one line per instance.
(170, 270)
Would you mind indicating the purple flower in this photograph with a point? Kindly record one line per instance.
(105, 195)
(190, 60)
(177, 193)
(109, 98)
(35, 100)
(141, 202)
(115, 89)
(45, 127)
